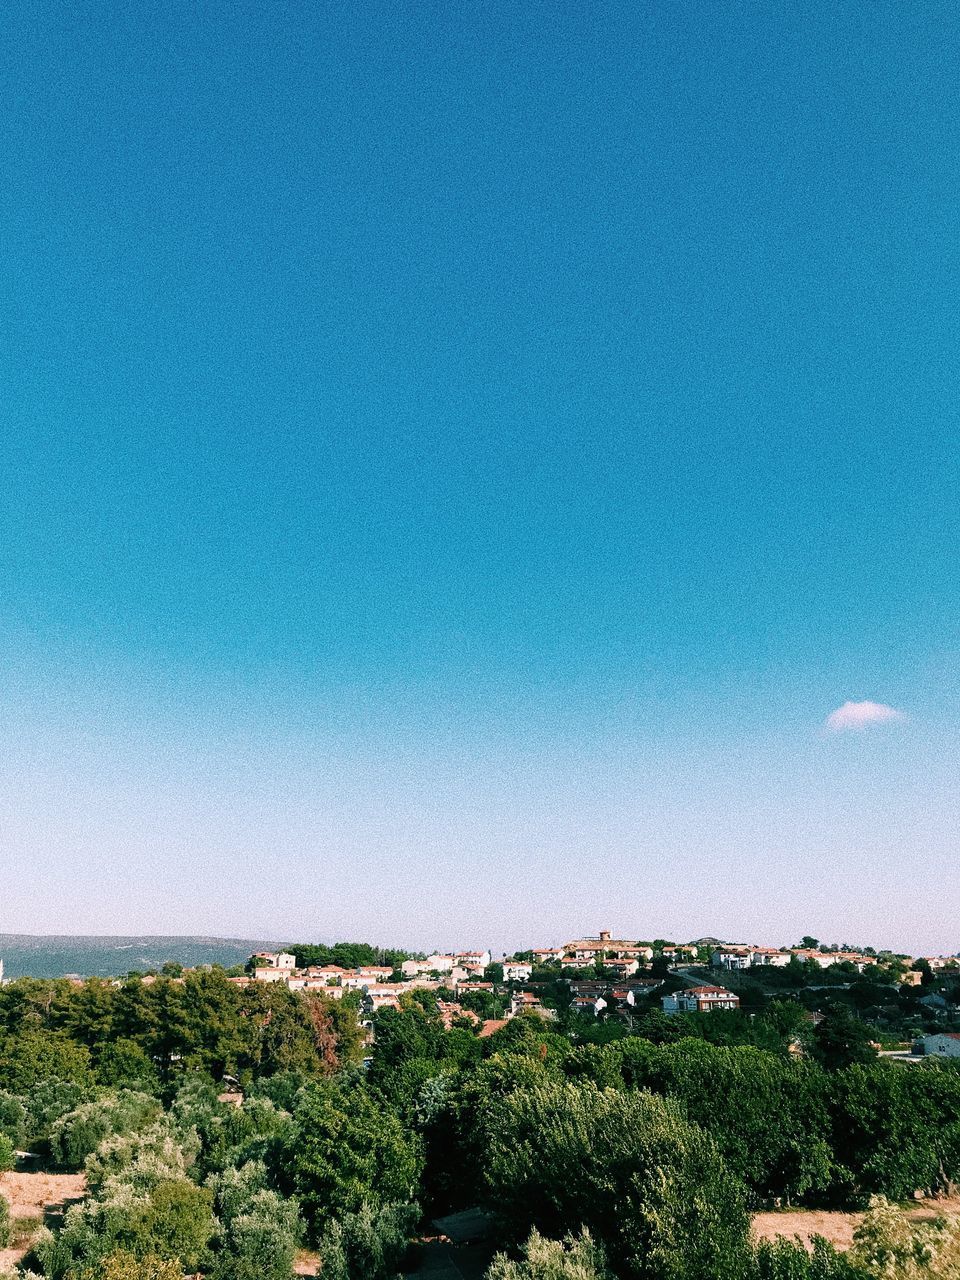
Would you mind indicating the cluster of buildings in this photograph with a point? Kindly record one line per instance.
(437, 973)
(741, 956)
(626, 979)
(622, 957)
(623, 961)
(731, 956)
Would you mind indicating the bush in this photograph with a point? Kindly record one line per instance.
(789, 1260)
(50, 1100)
(573, 1258)
(368, 1244)
(77, 1134)
(13, 1119)
(346, 1152)
(234, 1189)
(4, 1223)
(143, 1158)
(648, 1184)
(261, 1242)
(8, 1157)
(121, 1265)
(171, 1220)
(889, 1246)
(175, 1222)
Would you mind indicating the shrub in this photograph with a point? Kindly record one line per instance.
(13, 1119)
(368, 1244)
(143, 1158)
(50, 1100)
(260, 1243)
(648, 1184)
(4, 1223)
(8, 1157)
(122, 1265)
(345, 1152)
(77, 1134)
(234, 1189)
(175, 1222)
(889, 1246)
(789, 1260)
(572, 1258)
(171, 1220)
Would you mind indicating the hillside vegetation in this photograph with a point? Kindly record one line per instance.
(221, 1126)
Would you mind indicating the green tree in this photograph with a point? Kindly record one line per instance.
(649, 1186)
(123, 1063)
(841, 1039)
(77, 1134)
(260, 1242)
(175, 1222)
(35, 1055)
(368, 1244)
(345, 1151)
(895, 1131)
(767, 1114)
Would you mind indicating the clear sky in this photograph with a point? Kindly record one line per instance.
(457, 456)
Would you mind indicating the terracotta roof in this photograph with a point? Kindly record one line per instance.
(490, 1026)
(598, 944)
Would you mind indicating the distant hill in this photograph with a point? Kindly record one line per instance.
(53, 956)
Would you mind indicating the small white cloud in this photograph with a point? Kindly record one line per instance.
(861, 715)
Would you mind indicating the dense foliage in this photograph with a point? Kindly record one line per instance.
(223, 1126)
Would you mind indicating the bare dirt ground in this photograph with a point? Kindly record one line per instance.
(35, 1198)
(834, 1225)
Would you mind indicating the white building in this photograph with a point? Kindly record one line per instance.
(517, 971)
(732, 958)
(433, 964)
(943, 1044)
(274, 966)
(700, 1000)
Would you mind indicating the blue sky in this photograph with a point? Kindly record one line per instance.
(457, 456)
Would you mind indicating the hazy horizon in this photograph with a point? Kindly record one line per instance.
(476, 475)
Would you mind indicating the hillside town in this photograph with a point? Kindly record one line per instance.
(608, 977)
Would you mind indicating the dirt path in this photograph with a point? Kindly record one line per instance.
(834, 1225)
(33, 1198)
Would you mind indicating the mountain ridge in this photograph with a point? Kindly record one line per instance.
(113, 955)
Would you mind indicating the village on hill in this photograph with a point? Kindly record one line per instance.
(617, 979)
(607, 977)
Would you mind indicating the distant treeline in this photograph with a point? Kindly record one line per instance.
(348, 955)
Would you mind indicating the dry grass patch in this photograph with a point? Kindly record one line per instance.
(836, 1226)
(33, 1199)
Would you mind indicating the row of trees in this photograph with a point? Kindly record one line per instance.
(148, 1033)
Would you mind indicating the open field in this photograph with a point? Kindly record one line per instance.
(835, 1225)
(33, 1199)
